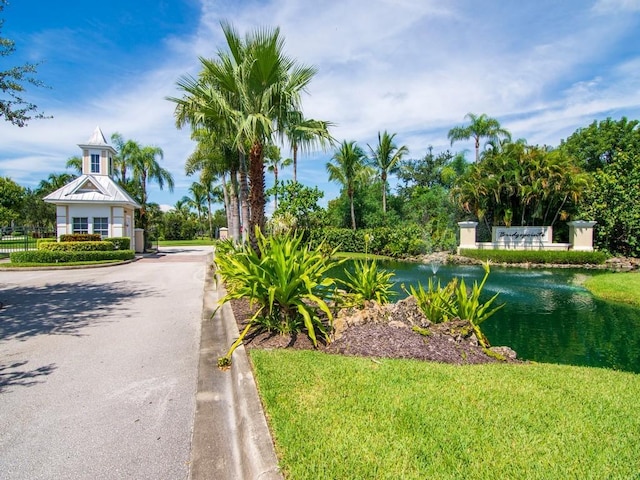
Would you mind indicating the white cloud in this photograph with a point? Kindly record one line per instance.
(411, 67)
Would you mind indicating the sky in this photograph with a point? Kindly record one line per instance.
(543, 68)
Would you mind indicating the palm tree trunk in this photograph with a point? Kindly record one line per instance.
(209, 216)
(295, 163)
(245, 200)
(234, 203)
(256, 194)
(353, 212)
(384, 191)
(225, 197)
(275, 174)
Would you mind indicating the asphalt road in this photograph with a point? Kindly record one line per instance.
(98, 369)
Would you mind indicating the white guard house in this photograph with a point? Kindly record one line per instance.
(94, 202)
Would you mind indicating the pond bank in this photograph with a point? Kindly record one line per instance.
(616, 264)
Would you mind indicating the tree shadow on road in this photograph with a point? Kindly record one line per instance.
(12, 375)
(62, 308)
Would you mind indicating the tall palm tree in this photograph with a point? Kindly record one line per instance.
(251, 88)
(273, 161)
(198, 199)
(386, 158)
(145, 168)
(215, 158)
(304, 134)
(481, 126)
(347, 167)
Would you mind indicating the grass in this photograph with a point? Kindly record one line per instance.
(184, 243)
(60, 264)
(339, 417)
(362, 256)
(617, 287)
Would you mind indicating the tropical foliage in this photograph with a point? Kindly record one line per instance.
(368, 282)
(480, 126)
(285, 280)
(611, 151)
(13, 107)
(522, 185)
(250, 94)
(348, 168)
(455, 300)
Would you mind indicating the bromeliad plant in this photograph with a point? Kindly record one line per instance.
(435, 302)
(285, 279)
(368, 282)
(441, 304)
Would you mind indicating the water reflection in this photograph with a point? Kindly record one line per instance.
(548, 317)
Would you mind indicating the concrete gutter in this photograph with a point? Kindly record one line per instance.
(231, 439)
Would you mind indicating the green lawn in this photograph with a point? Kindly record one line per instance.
(339, 417)
(618, 287)
(64, 264)
(362, 256)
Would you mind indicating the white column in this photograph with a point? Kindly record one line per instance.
(581, 235)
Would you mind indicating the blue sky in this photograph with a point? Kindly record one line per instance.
(412, 67)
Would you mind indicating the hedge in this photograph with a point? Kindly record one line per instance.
(80, 237)
(559, 257)
(398, 242)
(45, 240)
(48, 256)
(77, 246)
(120, 243)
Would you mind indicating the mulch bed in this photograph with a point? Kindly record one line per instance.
(378, 340)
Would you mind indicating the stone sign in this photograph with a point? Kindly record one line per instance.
(514, 237)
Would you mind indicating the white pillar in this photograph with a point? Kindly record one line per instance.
(581, 235)
(467, 235)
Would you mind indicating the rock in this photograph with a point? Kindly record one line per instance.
(506, 352)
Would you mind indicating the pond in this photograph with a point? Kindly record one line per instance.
(548, 315)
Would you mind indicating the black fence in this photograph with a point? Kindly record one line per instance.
(16, 239)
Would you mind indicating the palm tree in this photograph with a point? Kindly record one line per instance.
(145, 168)
(251, 88)
(348, 168)
(198, 199)
(386, 158)
(481, 126)
(75, 163)
(304, 134)
(215, 158)
(53, 182)
(274, 162)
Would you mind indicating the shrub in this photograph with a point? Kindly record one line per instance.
(564, 257)
(45, 240)
(284, 278)
(404, 241)
(49, 256)
(77, 246)
(120, 243)
(80, 237)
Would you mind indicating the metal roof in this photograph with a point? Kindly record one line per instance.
(97, 189)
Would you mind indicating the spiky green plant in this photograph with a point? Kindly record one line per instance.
(436, 302)
(285, 279)
(441, 304)
(470, 308)
(368, 282)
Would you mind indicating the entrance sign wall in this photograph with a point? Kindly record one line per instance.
(528, 237)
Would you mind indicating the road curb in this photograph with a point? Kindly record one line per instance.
(231, 439)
